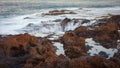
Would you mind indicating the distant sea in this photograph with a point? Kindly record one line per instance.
(10, 8)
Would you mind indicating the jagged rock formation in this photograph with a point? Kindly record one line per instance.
(59, 12)
(106, 34)
(26, 51)
(74, 46)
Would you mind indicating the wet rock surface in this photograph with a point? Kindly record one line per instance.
(106, 33)
(26, 51)
(74, 46)
(103, 54)
(59, 12)
(64, 23)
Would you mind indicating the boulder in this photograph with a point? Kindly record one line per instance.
(106, 33)
(18, 44)
(74, 46)
(30, 51)
(103, 54)
(83, 31)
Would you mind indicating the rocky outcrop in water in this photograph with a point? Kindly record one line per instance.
(59, 12)
(26, 51)
(14, 45)
(64, 23)
(39, 53)
(106, 34)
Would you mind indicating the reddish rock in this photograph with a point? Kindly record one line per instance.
(91, 62)
(69, 38)
(107, 34)
(62, 61)
(74, 46)
(43, 55)
(104, 33)
(84, 31)
(106, 28)
(26, 40)
(14, 44)
(99, 62)
(79, 63)
(59, 12)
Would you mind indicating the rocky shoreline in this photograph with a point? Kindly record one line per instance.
(26, 51)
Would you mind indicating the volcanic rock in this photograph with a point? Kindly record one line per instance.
(62, 61)
(83, 31)
(18, 44)
(30, 51)
(99, 62)
(79, 63)
(74, 46)
(64, 23)
(103, 54)
(59, 12)
(85, 21)
(105, 33)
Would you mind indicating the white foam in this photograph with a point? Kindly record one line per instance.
(15, 24)
(60, 49)
(98, 48)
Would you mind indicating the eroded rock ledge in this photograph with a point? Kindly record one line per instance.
(59, 12)
(26, 51)
(106, 33)
(20, 51)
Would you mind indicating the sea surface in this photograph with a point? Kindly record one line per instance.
(10, 8)
(26, 16)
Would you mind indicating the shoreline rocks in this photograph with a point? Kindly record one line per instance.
(59, 12)
(26, 51)
(74, 46)
(106, 34)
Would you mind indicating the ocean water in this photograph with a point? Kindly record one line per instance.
(13, 14)
(19, 7)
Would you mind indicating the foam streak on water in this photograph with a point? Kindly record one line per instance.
(96, 48)
(60, 49)
(41, 25)
(46, 24)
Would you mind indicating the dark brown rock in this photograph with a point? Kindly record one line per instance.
(64, 23)
(99, 62)
(105, 33)
(18, 44)
(85, 21)
(103, 54)
(74, 46)
(83, 31)
(80, 63)
(59, 12)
